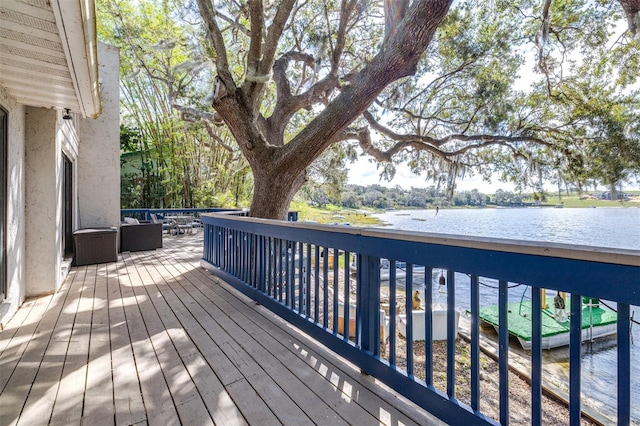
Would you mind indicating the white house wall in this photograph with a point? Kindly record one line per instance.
(15, 223)
(43, 206)
(98, 171)
(37, 140)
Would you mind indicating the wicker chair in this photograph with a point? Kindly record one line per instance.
(140, 236)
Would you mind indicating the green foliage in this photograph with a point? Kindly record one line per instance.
(498, 91)
(177, 162)
(471, 198)
(492, 72)
(506, 198)
(379, 197)
(327, 177)
(130, 139)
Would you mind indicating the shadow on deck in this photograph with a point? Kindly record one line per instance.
(156, 339)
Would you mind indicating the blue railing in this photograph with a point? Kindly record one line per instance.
(145, 214)
(326, 280)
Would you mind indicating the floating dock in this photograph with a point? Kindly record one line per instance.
(597, 321)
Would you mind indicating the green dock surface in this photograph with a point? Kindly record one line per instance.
(519, 318)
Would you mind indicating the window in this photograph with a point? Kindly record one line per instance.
(67, 206)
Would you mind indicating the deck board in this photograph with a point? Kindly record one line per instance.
(99, 384)
(155, 339)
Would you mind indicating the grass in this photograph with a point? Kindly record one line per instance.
(574, 200)
(331, 214)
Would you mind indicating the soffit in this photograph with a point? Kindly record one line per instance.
(48, 55)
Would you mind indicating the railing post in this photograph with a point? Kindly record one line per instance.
(368, 308)
(575, 354)
(624, 364)
(503, 351)
(536, 356)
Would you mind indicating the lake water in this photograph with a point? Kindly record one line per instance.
(600, 227)
(604, 227)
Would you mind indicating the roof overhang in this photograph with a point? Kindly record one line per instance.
(49, 54)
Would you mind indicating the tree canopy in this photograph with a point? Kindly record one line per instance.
(530, 89)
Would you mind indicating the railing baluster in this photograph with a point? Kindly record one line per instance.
(301, 271)
(234, 258)
(347, 298)
(233, 251)
(475, 342)
(217, 236)
(575, 353)
(325, 287)
(291, 274)
(624, 364)
(392, 317)
(536, 356)
(287, 273)
(307, 287)
(276, 276)
(316, 292)
(250, 268)
(428, 326)
(242, 261)
(226, 249)
(270, 267)
(451, 333)
(336, 276)
(503, 351)
(248, 260)
(408, 289)
(261, 260)
(296, 278)
(280, 259)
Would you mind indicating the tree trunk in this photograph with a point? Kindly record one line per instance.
(273, 191)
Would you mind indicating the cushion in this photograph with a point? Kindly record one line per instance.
(131, 221)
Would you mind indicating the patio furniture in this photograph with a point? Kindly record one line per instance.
(167, 224)
(181, 224)
(141, 236)
(95, 245)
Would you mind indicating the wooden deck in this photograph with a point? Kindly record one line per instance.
(155, 339)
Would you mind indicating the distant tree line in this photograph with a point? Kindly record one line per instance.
(380, 197)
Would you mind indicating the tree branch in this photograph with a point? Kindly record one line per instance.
(394, 11)
(429, 144)
(398, 58)
(256, 16)
(632, 12)
(273, 35)
(188, 112)
(346, 11)
(287, 103)
(263, 45)
(208, 14)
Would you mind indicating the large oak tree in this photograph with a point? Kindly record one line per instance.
(410, 80)
(278, 162)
